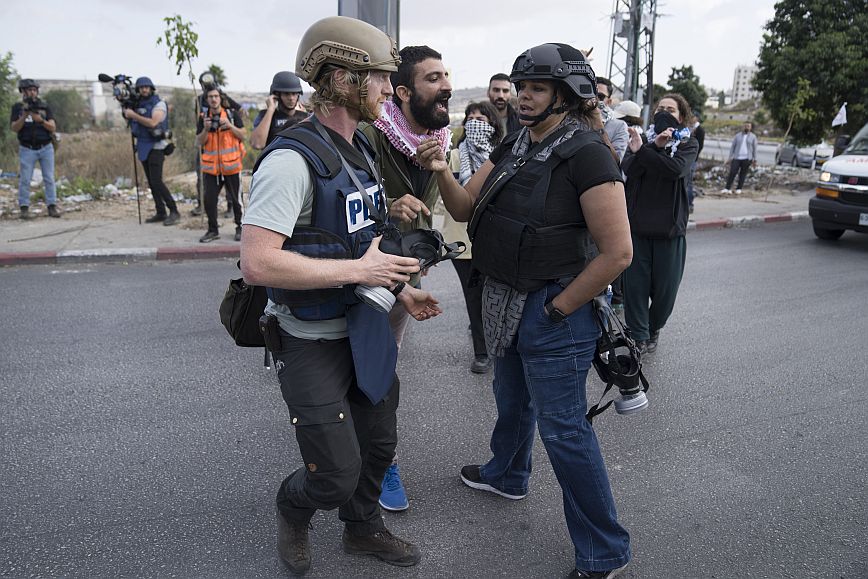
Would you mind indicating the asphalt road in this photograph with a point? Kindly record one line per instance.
(137, 441)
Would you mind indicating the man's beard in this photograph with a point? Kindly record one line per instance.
(426, 114)
(499, 104)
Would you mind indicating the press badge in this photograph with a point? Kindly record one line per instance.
(358, 215)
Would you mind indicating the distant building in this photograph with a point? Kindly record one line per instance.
(741, 84)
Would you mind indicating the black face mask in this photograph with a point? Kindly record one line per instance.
(663, 121)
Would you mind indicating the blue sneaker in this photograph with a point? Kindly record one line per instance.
(394, 497)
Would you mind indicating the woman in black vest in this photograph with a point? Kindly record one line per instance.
(549, 227)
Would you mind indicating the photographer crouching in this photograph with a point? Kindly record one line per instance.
(33, 122)
(149, 123)
(220, 133)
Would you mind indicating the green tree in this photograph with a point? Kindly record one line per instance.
(686, 83)
(219, 74)
(824, 42)
(8, 97)
(70, 110)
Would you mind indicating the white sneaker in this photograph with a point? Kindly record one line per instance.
(738, 191)
(726, 191)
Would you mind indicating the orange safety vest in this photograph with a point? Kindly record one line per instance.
(222, 152)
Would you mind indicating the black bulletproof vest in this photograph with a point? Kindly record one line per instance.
(526, 235)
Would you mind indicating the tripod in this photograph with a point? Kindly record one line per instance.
(136, 173)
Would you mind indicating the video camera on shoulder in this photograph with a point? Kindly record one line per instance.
(32, 104)
(123, 89)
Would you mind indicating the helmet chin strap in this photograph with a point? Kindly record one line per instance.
(364, 109)
(550, 110)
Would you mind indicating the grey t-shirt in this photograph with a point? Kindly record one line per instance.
(281, 197)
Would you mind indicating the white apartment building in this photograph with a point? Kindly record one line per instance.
(741, 87)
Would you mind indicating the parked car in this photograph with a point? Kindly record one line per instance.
(789, 154)
(841, 202)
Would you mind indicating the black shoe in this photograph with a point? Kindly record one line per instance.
(471, 477)
(228, 214)
(480, 365)
(196, 211)
(208, 237)
(610, 574)
(173, 218)
(52, 211)
(293, 544)
(652, 342)
(25, 213)
(238, 233)
(383, 545)
(156, 218)
(642, 346)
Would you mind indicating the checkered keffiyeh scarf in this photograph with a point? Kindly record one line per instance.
(475, 149)
(394, 125)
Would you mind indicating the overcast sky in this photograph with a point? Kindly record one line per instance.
(253, 40)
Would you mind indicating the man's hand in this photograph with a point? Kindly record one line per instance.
(36, 117)
(385, 269)
(407, 208)
(431, 156)
(224, 123)
(129, 113)
(419, 304)
(663, 138)
(635, 142)
(271, 102)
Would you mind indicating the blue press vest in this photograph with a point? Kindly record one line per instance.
(340, 228)
(144, 140)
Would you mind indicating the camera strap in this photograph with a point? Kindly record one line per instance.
(375, 213)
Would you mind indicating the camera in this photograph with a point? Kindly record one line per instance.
(214, 123)
(32, 104)
(426, 245)
(122, 89)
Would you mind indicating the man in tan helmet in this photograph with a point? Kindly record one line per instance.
(311, 235)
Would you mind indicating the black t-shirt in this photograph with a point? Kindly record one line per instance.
(591, 166)
(234, 118)
(32, 134)
(279, 121)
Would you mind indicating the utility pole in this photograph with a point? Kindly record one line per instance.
(632, 31)
(384, 14)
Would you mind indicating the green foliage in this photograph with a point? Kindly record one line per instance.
(659, 91)
(760, 117)
(70, 110)
(183, 118)
(813, 58)
(180, 40)
(686, 83)
(8, 97)
(219, 74)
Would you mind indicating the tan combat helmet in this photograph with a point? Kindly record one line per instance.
(345, 42)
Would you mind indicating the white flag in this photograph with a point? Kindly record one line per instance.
(841, 117)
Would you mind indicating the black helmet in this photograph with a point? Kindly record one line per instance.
(285, 81)
(27, 83)
(556, 61)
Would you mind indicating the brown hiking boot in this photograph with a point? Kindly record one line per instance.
(293, 544)
(383, 545)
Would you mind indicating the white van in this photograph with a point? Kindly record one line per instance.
(841, 202)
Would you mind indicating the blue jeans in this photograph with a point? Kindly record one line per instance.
(541, 381)
(28, 158)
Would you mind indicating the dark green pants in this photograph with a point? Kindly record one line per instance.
(651, 283)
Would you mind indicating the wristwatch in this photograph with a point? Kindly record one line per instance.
(397, 289)
(553, 313)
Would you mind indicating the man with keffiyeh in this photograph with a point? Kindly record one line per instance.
(419, 109)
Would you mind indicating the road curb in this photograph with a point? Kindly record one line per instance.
(136, 254)
(746, 220)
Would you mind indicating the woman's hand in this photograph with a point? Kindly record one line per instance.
(635, 142)
(419, 304)
(431, 156)
(663, 138)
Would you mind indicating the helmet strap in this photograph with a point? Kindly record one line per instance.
(364, 109)
(550, 110)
